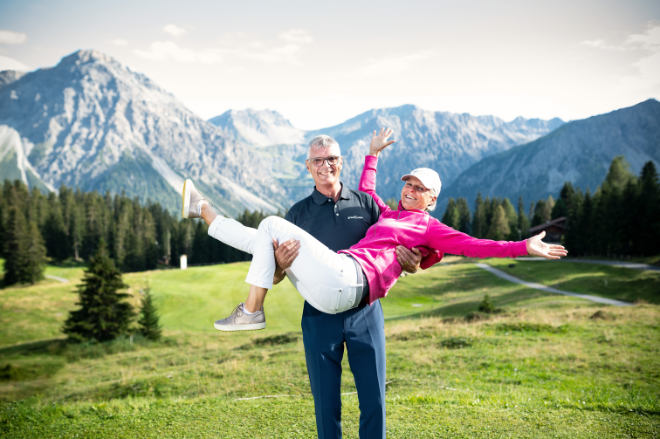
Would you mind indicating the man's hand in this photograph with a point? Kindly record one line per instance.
(285, 254)
(409, 259)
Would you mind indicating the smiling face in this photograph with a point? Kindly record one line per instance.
(325, 175)
(415, 196)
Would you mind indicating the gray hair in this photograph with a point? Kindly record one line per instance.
(323, 141)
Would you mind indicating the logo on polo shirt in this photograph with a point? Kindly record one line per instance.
(355, 217)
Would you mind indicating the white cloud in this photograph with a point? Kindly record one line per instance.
(120, 42)
(234, 48)
(174, 30)
(287, 52)
(170, 51)
(648, 40)
(7, 63)
(11, 37)
(645, 81)
(392, 65)
(297, 36)
(601, 44)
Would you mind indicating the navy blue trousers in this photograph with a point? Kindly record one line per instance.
(324, 336)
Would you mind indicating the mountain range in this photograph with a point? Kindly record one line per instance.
(91, 123)
(579, 152)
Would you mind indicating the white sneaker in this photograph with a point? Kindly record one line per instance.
(239, 321)
(192, 200)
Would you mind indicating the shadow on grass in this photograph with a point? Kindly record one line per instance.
(29, 361)
(72, 351)
(466, 279)
(53, 346)
(462, 309)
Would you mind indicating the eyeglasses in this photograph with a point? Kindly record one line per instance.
(319, 161)
(420, 189)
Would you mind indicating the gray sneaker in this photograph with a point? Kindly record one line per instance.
(239, 321)
(192, 200)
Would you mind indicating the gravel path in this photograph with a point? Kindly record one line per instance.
(537, 286)
(59, 279)
(622, 264)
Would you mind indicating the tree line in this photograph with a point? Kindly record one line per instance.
(620, 219)
(68, 225)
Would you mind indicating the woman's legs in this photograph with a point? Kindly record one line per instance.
(257, 295)
(328, 281)
(324, 278)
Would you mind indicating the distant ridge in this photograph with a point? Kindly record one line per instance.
(579, 151)
(446, 142)
(258, 128)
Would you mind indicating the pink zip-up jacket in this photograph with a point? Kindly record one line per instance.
(376, 252)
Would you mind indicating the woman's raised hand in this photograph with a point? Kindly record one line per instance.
(379, 141)
(536, 247)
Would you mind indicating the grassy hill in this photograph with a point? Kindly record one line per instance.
(545, 366)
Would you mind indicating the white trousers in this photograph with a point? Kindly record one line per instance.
(329, 281)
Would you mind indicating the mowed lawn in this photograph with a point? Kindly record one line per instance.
(544, 366)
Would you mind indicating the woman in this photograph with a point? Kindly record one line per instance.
(334, 282)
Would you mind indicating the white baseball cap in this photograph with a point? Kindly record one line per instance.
(429, 178)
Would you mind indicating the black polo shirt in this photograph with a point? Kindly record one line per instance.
(337, 225)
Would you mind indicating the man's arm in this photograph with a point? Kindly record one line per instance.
(409, 259)
(285, 254)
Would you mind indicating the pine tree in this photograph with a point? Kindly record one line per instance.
(166, 245)
(618, 175)
(543, 211)
(610, 209)
(103, 314)
(463, 215)
(487, 305)
(499, 226)
(523, 221)
(479, 225)
(451, 216)
(55, 232)
(512, 219)
(148, 321)
(24, 250)
(647, 234)
(35, 255)
(586, 225)
(14, 239)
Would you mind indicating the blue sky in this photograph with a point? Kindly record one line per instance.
(319, 63)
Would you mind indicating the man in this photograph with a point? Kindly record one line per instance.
(339, 217)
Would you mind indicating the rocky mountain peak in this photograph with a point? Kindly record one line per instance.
(9, 76)
(258, 127)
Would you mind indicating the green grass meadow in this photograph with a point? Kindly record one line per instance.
(543, 366)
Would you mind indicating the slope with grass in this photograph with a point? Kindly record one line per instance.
(545, 366)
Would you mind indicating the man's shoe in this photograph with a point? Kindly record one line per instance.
(240, 321)
(192, 200)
